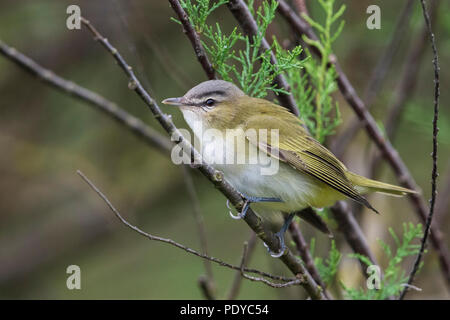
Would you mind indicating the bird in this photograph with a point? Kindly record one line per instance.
(283, 170)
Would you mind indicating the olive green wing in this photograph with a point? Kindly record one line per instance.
(296, 148)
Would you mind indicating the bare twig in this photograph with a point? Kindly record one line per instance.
(265, 281)
(216, 177)
(248, 24)
(303, 249)
(405, 178)
(139, 128)
(174, 243)
(236, 284)
(300, 5)
(352, 232)
(434, 154)
(190, 32)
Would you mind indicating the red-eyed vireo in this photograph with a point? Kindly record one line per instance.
(224, 120)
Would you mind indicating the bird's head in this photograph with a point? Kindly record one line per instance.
(215, 102)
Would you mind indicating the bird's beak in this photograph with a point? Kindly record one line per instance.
(181, 101)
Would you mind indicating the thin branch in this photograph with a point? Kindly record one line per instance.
(300, 5)
(172, 242)
(352, 232)
(303, 250)
(236, 284)
(139, 128)
(248, 24)
(265, 281)
(434, 154)
(216, 177)
(190, 32)
(405, 178)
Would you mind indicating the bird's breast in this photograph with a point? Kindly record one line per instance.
(254, 173)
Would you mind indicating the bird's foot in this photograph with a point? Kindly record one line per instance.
(282, 246)
(248, 200)
(280, 236)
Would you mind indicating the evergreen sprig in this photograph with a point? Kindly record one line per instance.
(314, 95)
(394, 277)
(330, 266)
(253, 71)
(249, 66)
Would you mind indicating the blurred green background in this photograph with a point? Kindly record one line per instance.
(50, 219)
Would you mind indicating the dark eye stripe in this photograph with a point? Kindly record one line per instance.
(211, 93)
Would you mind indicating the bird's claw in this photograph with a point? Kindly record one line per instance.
(280, 236)
(248, 200)
(242, 213)
(282, 248)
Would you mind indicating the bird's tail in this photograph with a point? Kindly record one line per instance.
(368, 185)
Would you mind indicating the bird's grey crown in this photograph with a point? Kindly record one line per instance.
(218, 89)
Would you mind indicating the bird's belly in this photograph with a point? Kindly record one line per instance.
(295, 189)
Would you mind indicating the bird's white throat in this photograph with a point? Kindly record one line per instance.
(224, 148)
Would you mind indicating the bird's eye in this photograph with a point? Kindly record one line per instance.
(209, 102)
